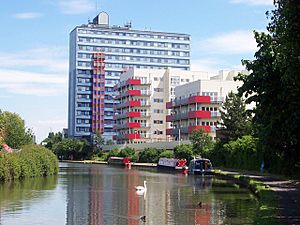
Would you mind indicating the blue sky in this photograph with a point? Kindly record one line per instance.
(35, 35)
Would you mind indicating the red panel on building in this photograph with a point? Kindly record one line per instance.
(133, 114)
(169, 118)
(169, 105)
(205, 128)
(133, 125)
(134, 103)
(133, 136)
(133, 81)
(169, 131)
(98, 92)
(199, 114)
(199, 99)
(134, 92)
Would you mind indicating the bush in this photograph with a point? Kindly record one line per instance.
(166, 154)
(184, 151)
(31, 161)
(239, 154)
(150, 155)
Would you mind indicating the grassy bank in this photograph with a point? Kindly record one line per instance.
(268, 202)
(30, 161)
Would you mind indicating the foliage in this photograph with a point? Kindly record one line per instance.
(234, 118)
(184, 151)
(149, 155)
(166, 154)
(274, 86)
(13, 130)
(98, 141)
(239, 154)
(31, 161)
(52, 139)
(113, 152)
(201, 142)
(72, 149)
(128, 152)
(109, 142)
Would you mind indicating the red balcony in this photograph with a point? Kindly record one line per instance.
(133, 93)
(169, 118)
(169, 105)
(133, 125)
(133, 114)
(133, 136)
(169, 131)
(133, 81)
(199, 114)
(205, 128)
(134, 103)
(199, 99)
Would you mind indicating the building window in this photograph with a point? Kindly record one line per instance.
(158, 100)
(158, 111)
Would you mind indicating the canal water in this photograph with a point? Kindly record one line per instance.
(84, 194)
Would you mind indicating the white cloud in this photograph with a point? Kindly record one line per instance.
(28, 83)
(27, 15)
(209, 65)
(235, 42)
(51, 59)
(76, 6)
(253, 2)
(17, 73)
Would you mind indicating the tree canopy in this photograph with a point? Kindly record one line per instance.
(234, 118)
(274, 86)
(13, 131)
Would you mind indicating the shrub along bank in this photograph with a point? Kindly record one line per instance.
(30, 161)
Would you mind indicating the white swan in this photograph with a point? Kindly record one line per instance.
(141, 188)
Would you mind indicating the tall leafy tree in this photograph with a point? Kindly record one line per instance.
(235, 119)
(201, 142)
(274, 86)
(52, 139)
(13, 130)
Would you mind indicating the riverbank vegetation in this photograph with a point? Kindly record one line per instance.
(29, 161)
(19, 157)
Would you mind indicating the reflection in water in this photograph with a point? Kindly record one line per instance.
(98, 194)
(108, 196)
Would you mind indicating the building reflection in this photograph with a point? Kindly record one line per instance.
(105, 198)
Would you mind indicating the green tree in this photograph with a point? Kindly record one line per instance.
(274, 86)
(166, 154)
(149, 155)
(98, 141)
(109, 142)
(13, 130)
(52, 139)
(235, 119)
(72, 149)
(127, 152)
(184, 151)
(201, 142)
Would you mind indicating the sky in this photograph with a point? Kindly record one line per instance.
(34, 44)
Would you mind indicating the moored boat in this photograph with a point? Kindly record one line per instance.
(172, 164)
(119, 161)
(200, 166)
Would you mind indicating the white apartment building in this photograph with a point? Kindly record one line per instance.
(197, 105)
(141, 115)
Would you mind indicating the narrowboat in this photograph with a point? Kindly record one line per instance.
(172, 164)
(200, 166)
(119, 161)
